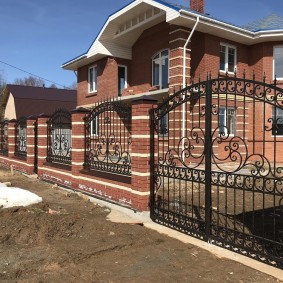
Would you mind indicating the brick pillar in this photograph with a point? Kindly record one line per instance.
(11, 137)
(30, 144)
(141, 152)
(177, 38)
(41, 141)
(78, 143)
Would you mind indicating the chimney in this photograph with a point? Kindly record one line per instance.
(197, 5)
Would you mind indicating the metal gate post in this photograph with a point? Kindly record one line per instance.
(208, 150)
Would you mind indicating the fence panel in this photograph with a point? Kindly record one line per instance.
(21, 138)
(108, 138)
(4, 138)
(59, 137)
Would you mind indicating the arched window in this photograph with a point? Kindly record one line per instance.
(160, 69)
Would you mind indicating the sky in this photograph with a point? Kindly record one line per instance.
(38, 36)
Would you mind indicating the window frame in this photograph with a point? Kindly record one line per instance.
(164, 120)
(93, 79)
(160, 68)
(226, 131)
(96, 134)
(227, 46)
(277, 77)
(277, 117)
(126, 77)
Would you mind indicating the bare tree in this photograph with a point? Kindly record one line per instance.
(30, 81)
(73, 86)
(2, 84)
(53, 86)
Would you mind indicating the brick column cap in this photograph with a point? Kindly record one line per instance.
(80, 110)
(42, 115)
(145, 99)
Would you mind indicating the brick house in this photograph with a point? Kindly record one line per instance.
(22, 101)
(151, 48)
(125, 57)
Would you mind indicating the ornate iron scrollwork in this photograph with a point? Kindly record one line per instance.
(59, 137)
(108, 138)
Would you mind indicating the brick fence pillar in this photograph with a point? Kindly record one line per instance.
(41, 141)
(30, 143)
(141, 151)
(11, 138)
(78, 143)
(178, 37)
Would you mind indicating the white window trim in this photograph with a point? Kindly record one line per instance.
(89, 79)
(273, 62)
(97, 127)
(226, 58)
(126, 74)
(160, 73)
(225, 121)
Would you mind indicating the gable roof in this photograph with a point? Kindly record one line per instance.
(33, 101)
(271, 22)
(124, 27)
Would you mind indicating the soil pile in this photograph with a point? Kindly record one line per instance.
(68, 239)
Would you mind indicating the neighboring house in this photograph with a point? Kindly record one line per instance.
(140, 50)
(23, 101)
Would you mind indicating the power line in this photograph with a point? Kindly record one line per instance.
(31, 74)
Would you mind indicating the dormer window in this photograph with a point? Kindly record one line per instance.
(160, 69)
(228, 54)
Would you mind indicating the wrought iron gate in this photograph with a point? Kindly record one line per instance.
(217, 163)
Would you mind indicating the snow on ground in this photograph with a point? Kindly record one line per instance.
(12, 196)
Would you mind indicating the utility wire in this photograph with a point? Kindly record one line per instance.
(32, 74)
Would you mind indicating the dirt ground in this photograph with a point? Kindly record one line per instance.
(68, 239)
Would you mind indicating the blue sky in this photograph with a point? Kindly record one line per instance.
(39, 35)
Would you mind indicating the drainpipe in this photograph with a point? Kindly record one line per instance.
(184, 84)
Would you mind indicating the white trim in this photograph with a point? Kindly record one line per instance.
(77, 163)
(140, 118)
(77, 150)
(126, 76)
(147, 155)
(141, 174)
(226, 45)
(78, 137)
(93, 79)
(78, 123)
(160, 67)
(273, 63)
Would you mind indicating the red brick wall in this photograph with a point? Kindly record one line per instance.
(149, 43)
(107, 80)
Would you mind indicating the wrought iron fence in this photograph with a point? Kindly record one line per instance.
(59, 137)
(108, 138)
(218, 165)
(4, 138)
(21, 138)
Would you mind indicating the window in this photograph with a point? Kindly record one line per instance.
(92, 79)
(277, 124)
(160, 69)
(227, 121)
(227, 58)
(122, 79)
(163, 125)
(94, 126)
(278, 62)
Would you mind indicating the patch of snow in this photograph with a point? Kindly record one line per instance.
(12, 196)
